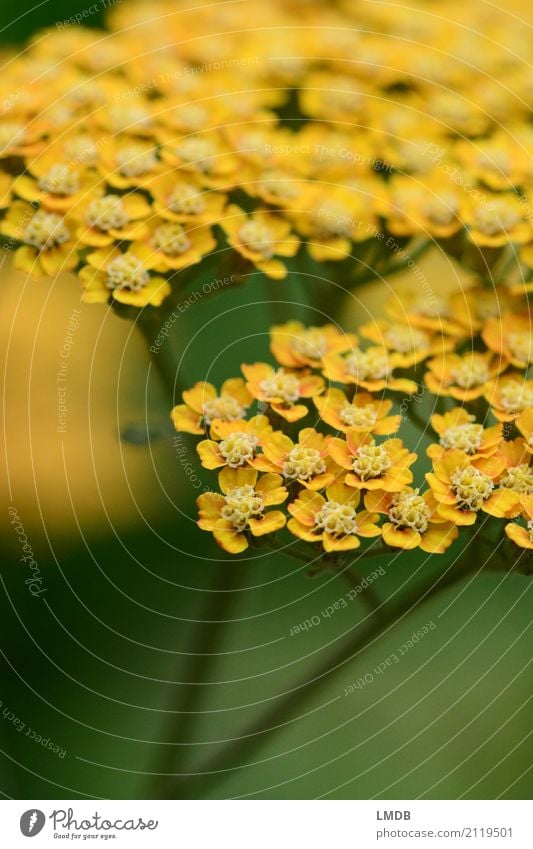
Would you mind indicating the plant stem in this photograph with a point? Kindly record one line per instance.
(162, 358)
(199, 663)
(235, 754)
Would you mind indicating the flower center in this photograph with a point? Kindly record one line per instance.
(60, 180)
(225, 407)
(332, 219)
(45, 230)
(371, 461)
(134, 160)
(519, 479)
(278, 185)
(470, 372)
(126, 272)
(186, 200)
(404, 339)
(257, 237)
(311, 343)
(242, 504)
(409, 510)
(107, 213)
(516, 397)
(303, 463)
(128, 117)
(371, 364)
(442, 210)
(495, 218)
(467, 437)
(81, 149)
(281, 386)
(11, 133)
(359, 417)
(171, 239)
(471, 487)
(336, 519)
(238, 448)
(433, 307)
(520, 346)
(197, 152)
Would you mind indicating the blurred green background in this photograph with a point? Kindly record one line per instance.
(90, 664)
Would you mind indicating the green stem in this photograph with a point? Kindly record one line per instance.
(162, 357)
(236, 754)
(188, 696)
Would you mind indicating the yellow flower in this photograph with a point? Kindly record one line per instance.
(475, 306)
(412, 520)
(371, 465)
(333, 520)
(364, 413)
(20, 137)
(333, 97)
(108, 218)
(260, 237)
(47, 239)
(463, 486)
(169, 245)
(463, 377)
(509, 396)
(182, 199)
(203, 155)
(55, 185)
(204, 408)
(517, 477)
(371, 368)
(511, 337)
(523, 537)
(237, 445)
(498, 221)
(498, 161)
(128, 163)
(241, 508)
(294, 345)
(123, 277)
(458, 429)
(426, 310)
(306, 461)
(282, 389)
(411, 345)
(431, 207)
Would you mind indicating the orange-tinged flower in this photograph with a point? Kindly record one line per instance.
(295, 345)
(523, 537)
(260, 237)
(282, 389)
(371, 465)
(47, 243)
(410, 344)
(463, 486)
(109, 218)
(169, 245)
(509, 396)
(473, 307)
(510, 336)
(371, 368)
(332, 520)
(462, 376)
(517, 477)
(241, 508)
(306, 461)
(238, 444)
(182, 199)
(412, 520)
(123, 277)
(524, 424)
(204, 408)
(364, 413)
(457, 428)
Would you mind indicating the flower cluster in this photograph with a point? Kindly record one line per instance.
(131, 155)
(347, 467)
